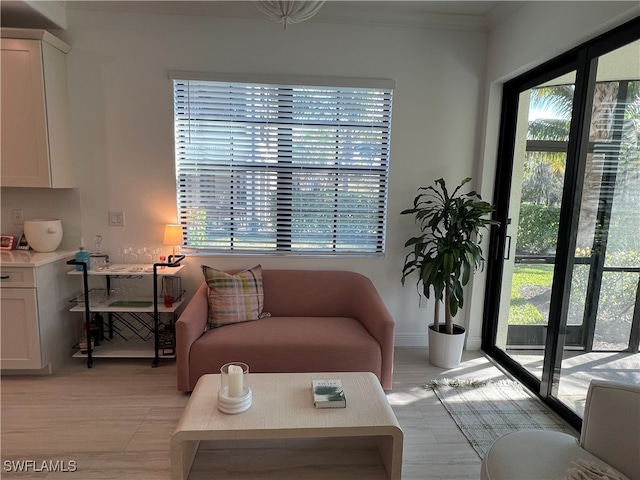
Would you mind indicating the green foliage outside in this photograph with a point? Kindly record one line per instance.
(538, 229)
(617, 292)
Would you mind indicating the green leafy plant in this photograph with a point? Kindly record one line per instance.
(448, 251)
(538, 229)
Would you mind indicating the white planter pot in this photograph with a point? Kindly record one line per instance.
(445, 350)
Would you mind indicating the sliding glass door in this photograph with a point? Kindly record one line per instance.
(539, 164)
(565, 262)
(606, 270)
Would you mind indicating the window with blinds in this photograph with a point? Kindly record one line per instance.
(282, 168)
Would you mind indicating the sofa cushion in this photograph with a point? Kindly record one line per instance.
(234, 298)
(289, 345)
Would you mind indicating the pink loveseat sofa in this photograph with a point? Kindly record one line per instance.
(321, 321)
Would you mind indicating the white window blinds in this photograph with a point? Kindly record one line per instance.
(282, 168)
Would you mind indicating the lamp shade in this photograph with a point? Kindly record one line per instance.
(173, 235)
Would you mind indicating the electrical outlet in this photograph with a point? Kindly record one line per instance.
(422, 303)
(116, 219)
(18, 216)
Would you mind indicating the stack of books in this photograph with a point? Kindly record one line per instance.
(328, 394)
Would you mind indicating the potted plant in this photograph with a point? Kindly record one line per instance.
(445, 255)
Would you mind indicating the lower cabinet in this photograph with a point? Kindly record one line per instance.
(20, 336)
(36, 330)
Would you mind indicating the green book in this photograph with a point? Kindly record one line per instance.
(328, 394)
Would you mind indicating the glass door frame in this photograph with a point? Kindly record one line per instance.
(583, 60)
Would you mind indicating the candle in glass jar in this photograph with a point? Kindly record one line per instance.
(235, 381)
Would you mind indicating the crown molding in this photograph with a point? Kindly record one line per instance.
(463, 15)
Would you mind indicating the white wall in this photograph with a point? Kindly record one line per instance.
(121, 109)
(43, 203)
(540, 31)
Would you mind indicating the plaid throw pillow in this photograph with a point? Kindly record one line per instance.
(234, 298)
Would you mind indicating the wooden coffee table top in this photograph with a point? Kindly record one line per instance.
(283, 408)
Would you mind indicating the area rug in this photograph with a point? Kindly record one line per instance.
(486, 410)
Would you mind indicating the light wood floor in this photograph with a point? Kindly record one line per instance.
(114, 421)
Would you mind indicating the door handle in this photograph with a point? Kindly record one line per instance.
(507, 248)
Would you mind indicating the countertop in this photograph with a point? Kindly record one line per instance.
(30, 258)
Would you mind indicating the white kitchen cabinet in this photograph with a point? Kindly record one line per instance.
(35, 141)
(20, 337)
(37, 333)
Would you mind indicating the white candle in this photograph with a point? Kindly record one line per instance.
(235, 381)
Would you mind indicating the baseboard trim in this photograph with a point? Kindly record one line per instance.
(416, 340)
(420, 340)
(473, 343)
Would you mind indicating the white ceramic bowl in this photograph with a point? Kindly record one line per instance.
(43, 235)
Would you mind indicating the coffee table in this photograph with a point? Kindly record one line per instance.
(282, 409)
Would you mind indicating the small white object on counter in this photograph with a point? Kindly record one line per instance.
(43, 235)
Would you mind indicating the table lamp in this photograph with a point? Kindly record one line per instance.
(173, 236)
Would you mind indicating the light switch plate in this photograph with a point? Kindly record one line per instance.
(116, 219)
(18, 216)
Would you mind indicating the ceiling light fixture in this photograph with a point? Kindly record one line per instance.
(287, 12)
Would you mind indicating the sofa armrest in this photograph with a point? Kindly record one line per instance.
(189, 327)
(369, 309)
